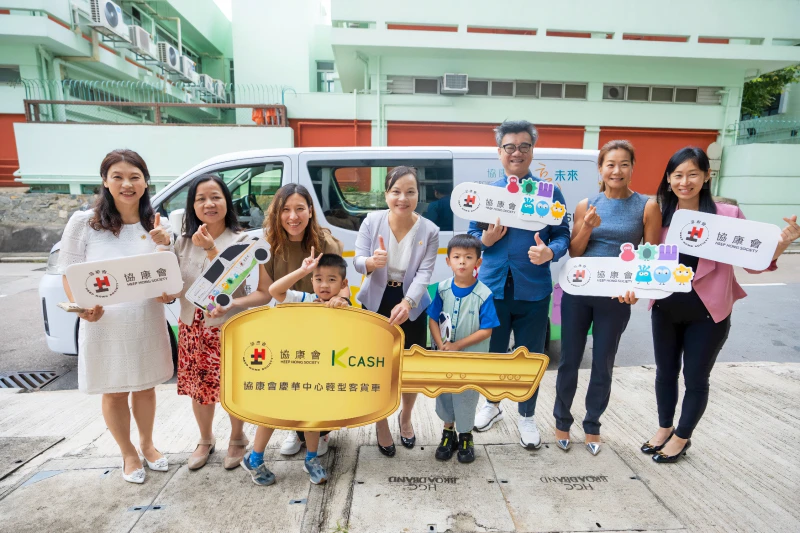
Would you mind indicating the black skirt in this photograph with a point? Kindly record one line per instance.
(416, 331)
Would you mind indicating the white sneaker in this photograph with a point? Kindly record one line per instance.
(322, 449)
(291, 445)
(528, 433)
(487, 416)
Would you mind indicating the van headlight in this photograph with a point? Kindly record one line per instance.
(52, 263)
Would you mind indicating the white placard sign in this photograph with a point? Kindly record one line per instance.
(127, 279)
(649, 271)
(218, 282)
(735, 241)
(528, 204)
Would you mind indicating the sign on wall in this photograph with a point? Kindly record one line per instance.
(310, 367)
(127, 279)
(649, 271)
(735, 241)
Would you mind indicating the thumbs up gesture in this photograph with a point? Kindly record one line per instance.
(159, 235)
(203, 238)
(540, 253)
(379, 256)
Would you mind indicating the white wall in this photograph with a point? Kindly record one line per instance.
(72, 152)
(764, 178)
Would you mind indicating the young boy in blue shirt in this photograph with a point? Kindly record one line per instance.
(465, 306)
(328, 279)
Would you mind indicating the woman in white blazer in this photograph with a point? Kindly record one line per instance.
(396, 251)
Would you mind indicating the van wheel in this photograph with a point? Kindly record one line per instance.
(173, 344)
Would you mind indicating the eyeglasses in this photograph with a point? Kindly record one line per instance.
(524, 148)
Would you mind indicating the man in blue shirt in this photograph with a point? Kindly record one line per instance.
(439, 211)
(516, 267)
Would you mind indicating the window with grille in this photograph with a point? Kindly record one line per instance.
(502, 88)
(426, 86)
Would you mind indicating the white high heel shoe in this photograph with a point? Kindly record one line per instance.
(137, 476)
(159, 465)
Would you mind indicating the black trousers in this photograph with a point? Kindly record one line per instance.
(416, 331)
(578, 313)
(684, 330)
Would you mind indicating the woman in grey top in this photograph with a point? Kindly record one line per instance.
(626, 216)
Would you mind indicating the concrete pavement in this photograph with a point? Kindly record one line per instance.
(60, 470)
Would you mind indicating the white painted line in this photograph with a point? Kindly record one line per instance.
(762, 284)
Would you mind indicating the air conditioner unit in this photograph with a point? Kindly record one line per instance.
(613, 92)
(141, 42)
(169, 57)
(219, 89)
(455, 84)
(206, 83)
(107, 19)
(188, 69)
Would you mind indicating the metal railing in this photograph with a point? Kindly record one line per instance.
(774, 130)
(152, 113)
(157, 91)
(124, 102)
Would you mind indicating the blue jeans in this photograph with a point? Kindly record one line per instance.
(528, 321)
(459, 409)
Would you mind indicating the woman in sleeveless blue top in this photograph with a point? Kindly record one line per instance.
(602, 224)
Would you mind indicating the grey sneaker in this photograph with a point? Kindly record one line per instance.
(316, 473)
(260, 474)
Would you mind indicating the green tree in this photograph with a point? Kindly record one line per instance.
(759, 93)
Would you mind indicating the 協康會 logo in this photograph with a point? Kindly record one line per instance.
(578, 276)
(694, 234)
(469, 201)
(101, 284)
(257, 356)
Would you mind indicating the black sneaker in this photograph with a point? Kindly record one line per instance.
(448, 446)
(466, 449)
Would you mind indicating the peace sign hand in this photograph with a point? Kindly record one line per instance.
(203, 238)
(310, 262)
(159, 235)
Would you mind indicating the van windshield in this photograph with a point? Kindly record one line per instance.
(349, 189)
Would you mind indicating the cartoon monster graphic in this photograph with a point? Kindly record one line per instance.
(528, 186)
(644, 276)
(558, 210)
(527, 206)
(513, 186)
(646, 252)
(683, 274)
(627, 252)
(661, 274)
(542, 208)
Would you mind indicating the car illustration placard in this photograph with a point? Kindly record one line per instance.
(226, 273)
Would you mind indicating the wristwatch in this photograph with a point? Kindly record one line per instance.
(410, 301)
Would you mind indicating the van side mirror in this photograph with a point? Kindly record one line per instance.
(176, 220)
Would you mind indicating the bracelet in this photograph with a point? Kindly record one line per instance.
(210, 247)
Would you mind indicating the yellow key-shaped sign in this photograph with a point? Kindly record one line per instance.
(309, 367)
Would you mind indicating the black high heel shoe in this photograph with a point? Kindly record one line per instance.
(650, 449)
(388, 451)
(408, 443)
(660, 457)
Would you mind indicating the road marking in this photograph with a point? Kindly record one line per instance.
(763, 284)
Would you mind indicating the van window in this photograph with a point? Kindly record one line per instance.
(349, 189)
(252, 189)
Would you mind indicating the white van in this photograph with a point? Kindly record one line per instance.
(347, 183)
